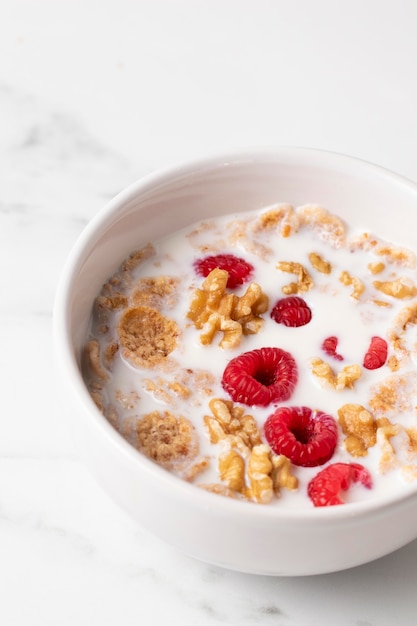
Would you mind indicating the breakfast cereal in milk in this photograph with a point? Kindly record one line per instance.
(266, 356)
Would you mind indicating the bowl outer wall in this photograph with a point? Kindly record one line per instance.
(233, 534)
(237, 535)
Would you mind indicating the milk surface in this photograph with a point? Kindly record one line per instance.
(335, 312)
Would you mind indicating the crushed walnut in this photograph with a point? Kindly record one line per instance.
(358, 286)
(401, 288)
(345, 379)
(376, 268)
(231, 419)
(214, 310)
(304, 281)
(359, 426)
(246, 465)
(319, 264)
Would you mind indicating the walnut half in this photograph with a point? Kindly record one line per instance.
(214, 310)
(359, 426)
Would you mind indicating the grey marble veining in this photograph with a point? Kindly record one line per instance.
(91, 98)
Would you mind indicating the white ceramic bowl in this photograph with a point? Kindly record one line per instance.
(237, 535)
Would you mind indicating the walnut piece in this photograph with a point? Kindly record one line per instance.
(304, 281)
(320, 264)
(213, 310)
(376, 268)
(359, 426)
(281, 474)
(231, 419)
(358, 286)
(244, 456)
(232, 469)
(345, 379)
(401, 288)
(259, 470)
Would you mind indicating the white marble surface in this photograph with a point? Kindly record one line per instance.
(92, 96)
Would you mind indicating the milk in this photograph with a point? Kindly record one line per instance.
(335, 312)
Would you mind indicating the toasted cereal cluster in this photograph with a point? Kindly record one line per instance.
(282, 219)
(146, 336)
(394, 394)
(169, 390)
(328, 227)
(155, 292)
(166, 438)
(92, 361)
(397, 333)
(169, 440)
(390, 253)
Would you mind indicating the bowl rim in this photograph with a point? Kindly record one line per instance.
(67, 362)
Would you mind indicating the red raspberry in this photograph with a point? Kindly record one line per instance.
(376, 355)
(308, 438)
(329, 346)
(325, 487)
(291, 311)
(261, 376)
(239, 270)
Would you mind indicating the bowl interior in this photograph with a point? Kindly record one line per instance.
(358, 192)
